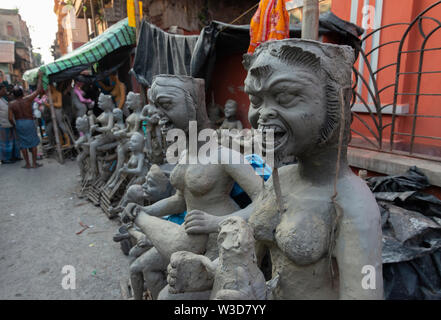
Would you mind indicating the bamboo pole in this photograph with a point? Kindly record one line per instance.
(93, 18)
(55, 125)
(310, 21)
(104, 15)
(138, 27)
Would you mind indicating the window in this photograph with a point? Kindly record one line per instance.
(10, 29)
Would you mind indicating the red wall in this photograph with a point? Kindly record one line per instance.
(395, 11)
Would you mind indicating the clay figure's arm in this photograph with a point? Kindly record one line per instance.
(171, 205)
(359, 243)
(80, 141)
(199, 222)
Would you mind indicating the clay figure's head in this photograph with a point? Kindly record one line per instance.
(230, 108)
(235, 240)
(157, 186)
(135, 194)
(118, 114)
(180, 98)
(82, 124)
(133, 101)
(293, 87)
(136, 142)
(105, 102)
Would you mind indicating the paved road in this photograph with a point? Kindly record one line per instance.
(39, 218)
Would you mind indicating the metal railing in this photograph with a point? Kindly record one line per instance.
(377, 121)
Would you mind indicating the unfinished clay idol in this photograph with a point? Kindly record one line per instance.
(323, 231)
(231, 122)
(106, 121)
(198, 187)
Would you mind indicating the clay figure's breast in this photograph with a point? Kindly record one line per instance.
(201, 178)
(131, 121)
(103, 118)
(198, 179)
(303, 233)
(133, 162)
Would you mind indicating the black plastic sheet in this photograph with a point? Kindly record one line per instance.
(411, 225)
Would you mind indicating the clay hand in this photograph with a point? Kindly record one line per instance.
(197, 222)
(130, 212)
(189, 272)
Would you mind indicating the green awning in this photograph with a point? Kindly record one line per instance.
(117, 36)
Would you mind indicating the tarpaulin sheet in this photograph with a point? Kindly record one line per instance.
(160, 52)
(411, 225)
(117, 36)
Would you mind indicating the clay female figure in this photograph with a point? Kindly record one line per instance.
(133, 125)
(324, 231)
(153, 143)
(83, 142)
(79, 102)
(231, 121)
(106, 120)
(136, 164)
(199, 187)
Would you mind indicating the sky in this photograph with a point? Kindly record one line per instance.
(41, 20)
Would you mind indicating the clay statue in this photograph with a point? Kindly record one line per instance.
(198, 187)
(83, 142)
(318, 220)
(230, 121)
(79, 102)
(154, 141)
(156, 187)
(123, 134)
(106, 120)
(136, 163)
(230, 277)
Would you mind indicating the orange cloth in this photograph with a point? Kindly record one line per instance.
(270, 22)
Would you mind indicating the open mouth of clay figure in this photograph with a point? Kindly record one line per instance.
(273, 136)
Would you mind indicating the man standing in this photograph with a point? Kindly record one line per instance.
(22, 112)
(9, 152)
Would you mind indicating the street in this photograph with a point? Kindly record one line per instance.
(40, 215)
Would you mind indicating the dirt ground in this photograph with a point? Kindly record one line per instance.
(39, 218)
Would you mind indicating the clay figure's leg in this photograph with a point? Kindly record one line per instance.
(153, 266)
(121, 153)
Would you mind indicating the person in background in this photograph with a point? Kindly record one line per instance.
(22, 114)
(9, 152)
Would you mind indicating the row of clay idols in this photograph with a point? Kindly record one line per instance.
(128, 136)
(120, 138)
(317, 221)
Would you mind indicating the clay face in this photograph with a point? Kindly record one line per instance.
(136, 142)
(288, 99)
(232, 238)
(230, 108)
(105, 102)
(156, 184)
(133, 101)
(118, 114)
